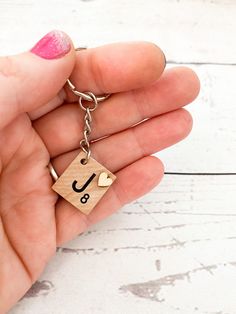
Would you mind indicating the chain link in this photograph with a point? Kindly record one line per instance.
(95, 102)
(84, 143)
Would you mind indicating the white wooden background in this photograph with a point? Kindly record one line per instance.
(174, 250)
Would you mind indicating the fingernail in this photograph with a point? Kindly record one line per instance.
(52, 46)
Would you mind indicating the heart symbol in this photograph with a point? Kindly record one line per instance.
(104, 179)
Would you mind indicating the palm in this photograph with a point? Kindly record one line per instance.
(32, 221)
(27, 203)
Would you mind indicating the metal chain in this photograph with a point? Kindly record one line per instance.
(83, 96)
(87, 96)
(84, 143)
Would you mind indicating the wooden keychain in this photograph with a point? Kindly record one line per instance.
(85, 181)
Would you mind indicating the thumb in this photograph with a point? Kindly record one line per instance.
(31, 79)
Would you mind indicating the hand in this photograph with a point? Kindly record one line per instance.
(39, 121)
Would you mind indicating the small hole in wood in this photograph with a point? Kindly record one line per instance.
(83, 161)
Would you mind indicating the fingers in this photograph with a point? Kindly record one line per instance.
(121, 149)
(117, 67)
(61, 129)
(111, 68)
(132, 182)
(31, 79)
(137, 175)
(49, 106)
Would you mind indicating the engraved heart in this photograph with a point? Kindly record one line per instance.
(104, 179)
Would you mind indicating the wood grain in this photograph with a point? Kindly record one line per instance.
(81, 185)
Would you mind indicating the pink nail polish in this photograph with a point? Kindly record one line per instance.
(52, 46)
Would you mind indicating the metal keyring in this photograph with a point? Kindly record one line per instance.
(86, 95)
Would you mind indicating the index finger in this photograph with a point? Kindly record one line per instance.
(117, 67)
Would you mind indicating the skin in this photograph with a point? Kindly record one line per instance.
(42, 121)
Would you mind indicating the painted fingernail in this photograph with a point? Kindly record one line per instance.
(54, 45)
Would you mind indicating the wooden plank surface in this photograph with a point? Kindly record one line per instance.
(211, 147)
(188, 30)
(172, 251)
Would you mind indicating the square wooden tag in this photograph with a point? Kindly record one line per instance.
(84, 185)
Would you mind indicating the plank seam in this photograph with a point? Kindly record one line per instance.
(201, 173)
(201, 63)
